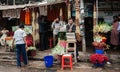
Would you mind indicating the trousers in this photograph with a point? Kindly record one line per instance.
(21, 51)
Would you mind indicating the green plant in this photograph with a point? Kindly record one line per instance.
(102, 27)
(31, 48)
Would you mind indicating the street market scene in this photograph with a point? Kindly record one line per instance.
(59, 35)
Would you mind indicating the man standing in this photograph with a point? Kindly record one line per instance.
(70, 26)
(56, 28)
(43, 33)
(20, 41)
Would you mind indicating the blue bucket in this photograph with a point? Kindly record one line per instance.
(48, 61)
(97, 51)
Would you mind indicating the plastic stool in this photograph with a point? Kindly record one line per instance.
(67, 56)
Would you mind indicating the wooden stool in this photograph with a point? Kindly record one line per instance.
(71, 39)
(72, 50)
(67, 56)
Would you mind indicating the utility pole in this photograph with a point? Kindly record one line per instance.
(69, 10)
(77, 17)
(82, 26)
(95, 14)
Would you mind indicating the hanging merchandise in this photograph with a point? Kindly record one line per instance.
(22, 16)
(27, 17)
(33, 25)
(37, 29)
(43, 10)
(53, 13)
(13, 13)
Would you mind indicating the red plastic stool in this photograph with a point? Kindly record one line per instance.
(50, 42)
(67, 56)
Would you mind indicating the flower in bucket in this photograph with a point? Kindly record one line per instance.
(31, 48)
(102, 27)
(99, 38)
(99, 45)
(58, 50)
(63, 44)
(99, 42)
(98, 58)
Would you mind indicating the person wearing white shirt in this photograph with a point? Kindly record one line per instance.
(56, 28)
(20, 42)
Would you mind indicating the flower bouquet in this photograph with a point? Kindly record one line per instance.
(98, 59)
(99, 45)
(59, 49)
(102, 27)
(99, 42)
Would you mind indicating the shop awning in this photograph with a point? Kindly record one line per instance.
(37, 4)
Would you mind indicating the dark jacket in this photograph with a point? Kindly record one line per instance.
(42, 26)
(73, 28)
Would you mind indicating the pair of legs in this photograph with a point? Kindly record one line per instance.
(43, 41)
(21, 50)
(55, 38)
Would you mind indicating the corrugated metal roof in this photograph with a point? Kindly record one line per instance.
(36, 4)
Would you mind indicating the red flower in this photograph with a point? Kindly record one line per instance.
(99, 45)
(98, 58)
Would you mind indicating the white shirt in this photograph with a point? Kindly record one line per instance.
(63, 26)
(56, 28)
(19, 36)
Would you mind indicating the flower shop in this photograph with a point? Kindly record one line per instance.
(12, 15)
(102, 27)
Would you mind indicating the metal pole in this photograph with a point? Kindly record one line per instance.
(69, 10)
(82, 26)
(94, 14)
(77, 17)
(13, 2)
(97, 12)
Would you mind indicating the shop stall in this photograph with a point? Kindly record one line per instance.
(28, 14)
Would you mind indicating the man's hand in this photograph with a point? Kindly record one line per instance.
(70, 30)
(26, 46)
(12, 45)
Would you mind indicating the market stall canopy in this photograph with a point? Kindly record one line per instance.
(36, 4)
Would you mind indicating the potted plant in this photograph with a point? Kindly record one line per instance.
(99, 43)
(98, 59)
(31, 51)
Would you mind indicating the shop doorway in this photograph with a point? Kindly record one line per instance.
(89, 33)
